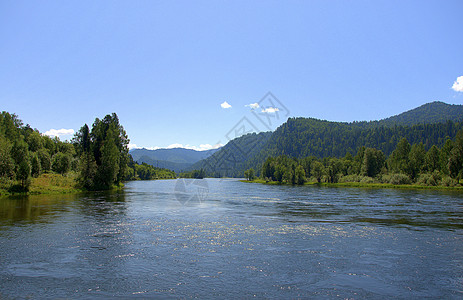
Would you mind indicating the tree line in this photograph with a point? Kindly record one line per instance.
(408, 163)
(98, 158)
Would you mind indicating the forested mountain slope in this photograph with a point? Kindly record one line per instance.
(431, 124)
(434, 112)
(231, 159)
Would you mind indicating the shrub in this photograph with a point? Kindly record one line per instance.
(429, 179)
(396, 179)
(448, 181)
(367, 179)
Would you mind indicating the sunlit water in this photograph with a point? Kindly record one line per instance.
(227, 239)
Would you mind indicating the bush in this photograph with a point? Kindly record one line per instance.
(61, 163)
(448, 181)
(396, 179)
(356, 178)
(367, 179)
(429, 179)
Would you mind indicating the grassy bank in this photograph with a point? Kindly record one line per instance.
(364, 185)
(47, 183)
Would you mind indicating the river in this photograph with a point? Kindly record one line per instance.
(216, 238)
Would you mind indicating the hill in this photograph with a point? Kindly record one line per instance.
(176, 159)
(231, 160)
(164, 164)
(434, 112)
(176, 155)
(430, 124)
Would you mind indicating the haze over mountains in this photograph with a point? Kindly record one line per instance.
(431, 123)
(176, 159)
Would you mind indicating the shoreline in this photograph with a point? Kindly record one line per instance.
(364, 185)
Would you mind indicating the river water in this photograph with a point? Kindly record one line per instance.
(217, 238)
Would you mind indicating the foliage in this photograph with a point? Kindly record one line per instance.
(103, 153)
(198, 174)
(249, 174)
(406, 165)
(61, 163)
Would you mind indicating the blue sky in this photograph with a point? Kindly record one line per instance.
(165, 67)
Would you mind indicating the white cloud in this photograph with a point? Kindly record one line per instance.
(458, 84)
(270, 110)
(132, 146)
(59, 132)
(225, 105)
(253, 105)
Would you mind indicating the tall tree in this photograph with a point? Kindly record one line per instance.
(373, 161)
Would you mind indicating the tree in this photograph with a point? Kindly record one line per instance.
(300, 175)
(24, 173)
(432, 159)
(318, 170)
(35, 165)
(279, 172)
(268, 169)
(109, 161)
(7, 168)
(45, 159)
(61, 163)
(34, 140)
(417, 157)
(399, 159)
(333, 168)
(373, 161)
(455, 164)
(19, 151)
(249, 174)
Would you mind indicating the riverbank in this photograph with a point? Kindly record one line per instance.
(364, 185)
(47, 183)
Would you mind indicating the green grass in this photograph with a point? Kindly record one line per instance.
(364, 185)
(47, 183)
(50, 183)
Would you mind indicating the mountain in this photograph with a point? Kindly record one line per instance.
(434, 112)
(176, 159)
(176, 155)
(176, 167)
(431, 124)
(231, 159)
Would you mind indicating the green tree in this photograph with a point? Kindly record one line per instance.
(34, 140)
(417, 158)
(399, 159)
(35, 165)
(268, 169)
(7, 168)
(300, 175)
(445, 155)
(19, 151)
(318, 170)
(249, 174)
(45, 159)
(333, 169)
(61, 163)
(24, 173)
(109, 161)
(455, 164)
(432, 159)
(279, 172)
(373, 161)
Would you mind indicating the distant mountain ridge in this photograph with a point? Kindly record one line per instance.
(176, 159)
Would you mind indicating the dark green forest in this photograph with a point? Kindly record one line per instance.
(407, 164)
